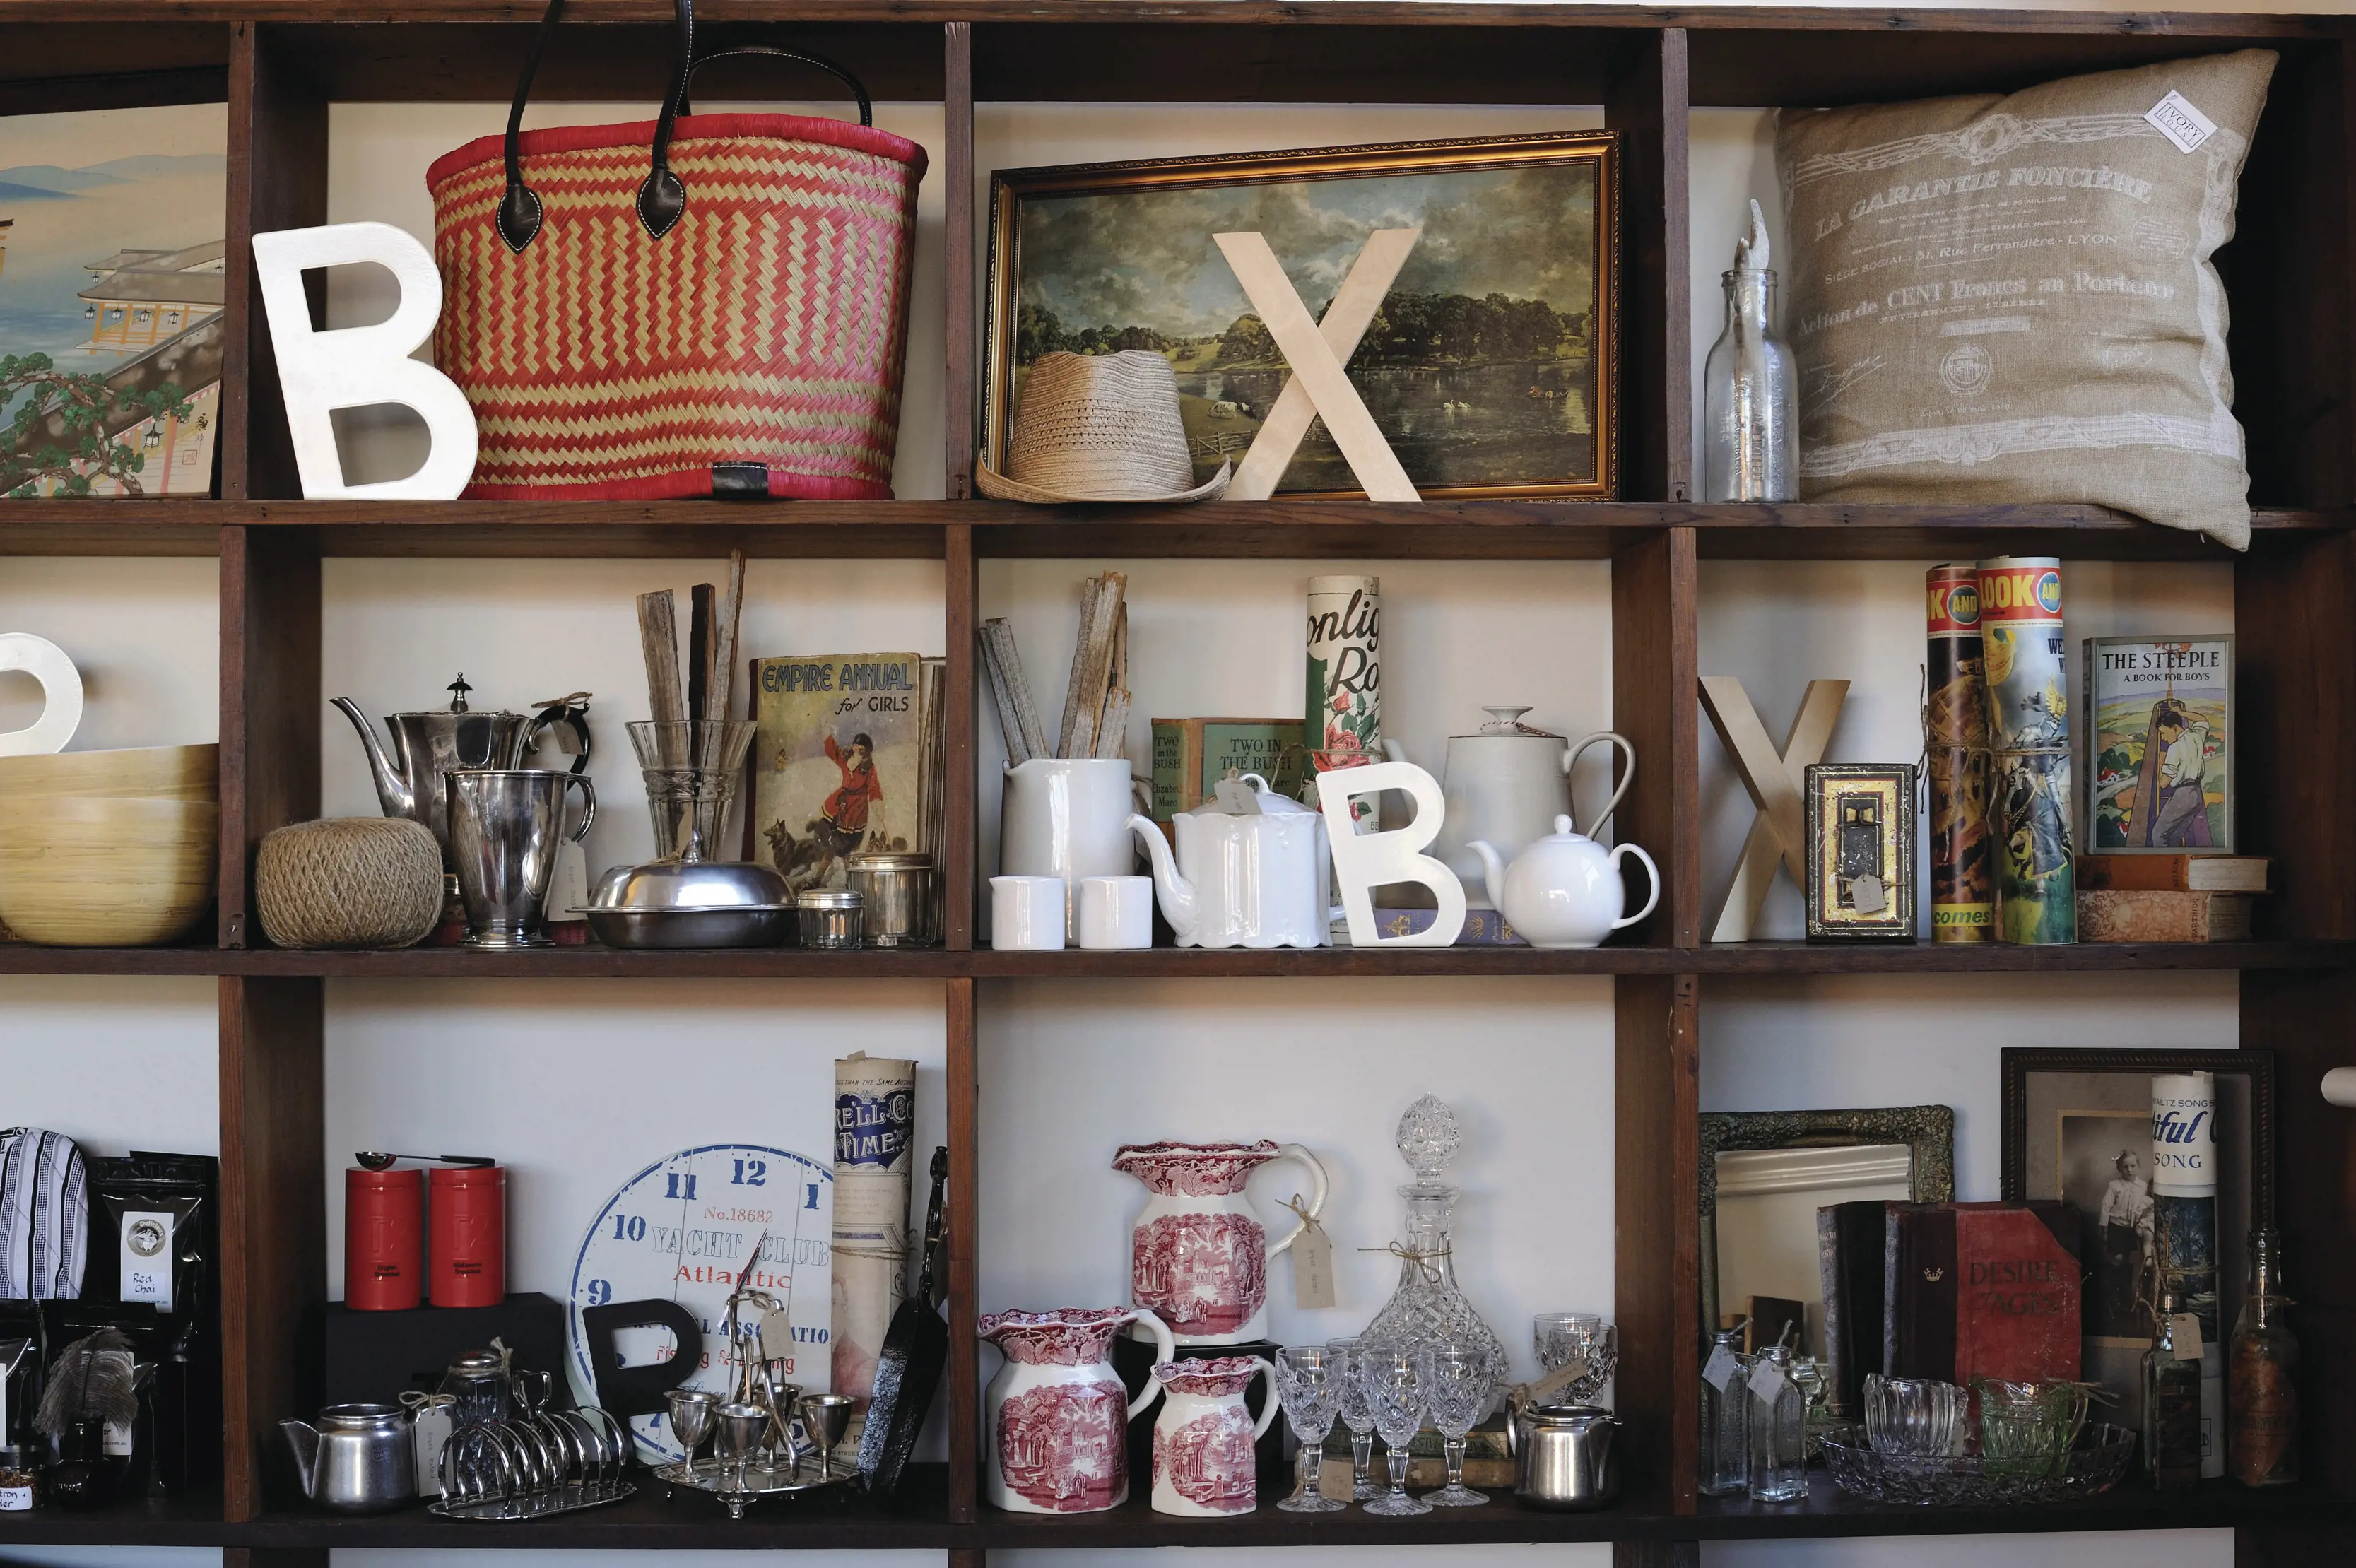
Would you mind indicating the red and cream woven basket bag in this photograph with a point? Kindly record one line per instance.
(731, 320)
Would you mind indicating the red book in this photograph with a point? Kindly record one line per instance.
(1982, 1290)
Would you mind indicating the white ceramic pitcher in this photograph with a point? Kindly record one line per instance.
(1068, 818)
(1203, 1463)
(1198, 1252)
(1058, 1413)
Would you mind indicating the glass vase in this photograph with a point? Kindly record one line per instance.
(1750, 399)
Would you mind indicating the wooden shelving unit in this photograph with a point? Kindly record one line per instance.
(279, 63)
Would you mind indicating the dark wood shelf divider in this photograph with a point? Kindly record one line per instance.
(277, 64)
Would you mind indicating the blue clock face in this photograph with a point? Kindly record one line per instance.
(685, 1229)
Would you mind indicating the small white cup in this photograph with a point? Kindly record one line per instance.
(1026, 914)
(1116, 911)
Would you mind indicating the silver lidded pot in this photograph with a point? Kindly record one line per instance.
(428, 747)
(833, 918)
(361, 1458)
(903, 898)
(1567, 1456)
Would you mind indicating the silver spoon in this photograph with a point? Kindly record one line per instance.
(377, 1159)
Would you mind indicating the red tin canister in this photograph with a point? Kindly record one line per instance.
(470, 1235)
(384, 1239)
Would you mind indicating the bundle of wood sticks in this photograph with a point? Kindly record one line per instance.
(711, 660)
(1095, 704)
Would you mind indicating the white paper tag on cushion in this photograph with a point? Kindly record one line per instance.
(1719, 1370)
(2184, 1332)
(147, 1256)
(2174, 118)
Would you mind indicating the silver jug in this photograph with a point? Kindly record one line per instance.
(505, 826)
(428, 747)
(361, 1458)
(1566, 1454)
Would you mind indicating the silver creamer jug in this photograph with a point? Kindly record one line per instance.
(1565, 1456)
(361, 1458)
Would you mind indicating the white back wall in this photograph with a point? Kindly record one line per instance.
(573, 1086)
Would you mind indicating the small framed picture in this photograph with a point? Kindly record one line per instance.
(2104, 1131)
(2159, 744)
(1860, 833)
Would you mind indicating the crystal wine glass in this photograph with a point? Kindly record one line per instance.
(1457, 1383)
(1562, 1338)
(1309, 1379)
(1397, 1392)
(1358, 1416)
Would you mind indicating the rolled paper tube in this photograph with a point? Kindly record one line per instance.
(2030, 805)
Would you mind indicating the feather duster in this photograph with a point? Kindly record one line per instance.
(91, 1382)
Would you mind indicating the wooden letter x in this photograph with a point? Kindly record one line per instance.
(1774, 782)
(1316, 353)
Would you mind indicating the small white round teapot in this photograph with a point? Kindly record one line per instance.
(1564, 890)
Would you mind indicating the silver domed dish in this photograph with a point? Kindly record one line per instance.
(691, 903)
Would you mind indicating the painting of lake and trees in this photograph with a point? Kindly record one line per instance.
(1487, 368)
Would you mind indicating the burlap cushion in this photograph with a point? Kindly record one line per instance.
(2011, 300)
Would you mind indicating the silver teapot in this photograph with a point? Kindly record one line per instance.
(428, 747)
(361, 1458)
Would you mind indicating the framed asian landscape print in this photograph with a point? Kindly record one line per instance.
(1491, 368)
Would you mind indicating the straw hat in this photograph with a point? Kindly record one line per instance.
(1099, 427)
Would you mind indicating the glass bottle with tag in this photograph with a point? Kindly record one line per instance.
(1750, 388)
(1725, 1417)
(1779, 1428)
(2171, 1399)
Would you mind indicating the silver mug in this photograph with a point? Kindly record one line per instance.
(1567, 1458)
(504, 827)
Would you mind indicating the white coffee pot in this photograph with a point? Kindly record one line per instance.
(1506, 785)
(1250, 872)
(1563, 890)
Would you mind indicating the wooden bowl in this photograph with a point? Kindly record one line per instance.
(106, 872)
(148, 772)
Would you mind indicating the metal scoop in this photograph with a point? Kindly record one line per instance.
(377, 1159)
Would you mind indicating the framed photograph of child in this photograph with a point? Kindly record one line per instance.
(2159, 744)
(2077, 1125)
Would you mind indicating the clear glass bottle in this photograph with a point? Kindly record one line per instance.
(1779, 1428)
(1428, 1308)
(2171, 1406)
(1725, 1417)
(1750, 388)
(2261, 1370)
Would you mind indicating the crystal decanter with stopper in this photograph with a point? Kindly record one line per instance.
(1427, 1306)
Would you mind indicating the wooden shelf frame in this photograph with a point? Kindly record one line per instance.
(279, 63)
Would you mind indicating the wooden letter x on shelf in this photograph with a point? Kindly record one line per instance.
(1316, 352)
(1774, 782)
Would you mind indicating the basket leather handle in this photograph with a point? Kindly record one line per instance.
(662, 199)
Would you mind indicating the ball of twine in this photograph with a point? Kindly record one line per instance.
(351, 882)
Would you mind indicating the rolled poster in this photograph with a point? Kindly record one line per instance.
(874, 1132)
(2184, 1216)
(1955, 743)
(2029, 730)
(1344, 683)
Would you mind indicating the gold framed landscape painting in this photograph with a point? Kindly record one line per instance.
(1491, 368)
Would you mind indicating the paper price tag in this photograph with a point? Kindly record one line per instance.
(568, 885)
(1766, 1383)
(429, 1430)
(1719, 1370)
(1313, 1268)
(2177, 120)
(777, 1336)
(1867, 896)
(2184, 1331)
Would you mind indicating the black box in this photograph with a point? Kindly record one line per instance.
(372, 1357)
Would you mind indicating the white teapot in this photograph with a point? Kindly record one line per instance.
(1564, 890)
(1251, 869)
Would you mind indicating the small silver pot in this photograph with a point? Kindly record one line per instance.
(902, 894)
(1566, 1460)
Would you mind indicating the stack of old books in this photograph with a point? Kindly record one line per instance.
(2169, 898)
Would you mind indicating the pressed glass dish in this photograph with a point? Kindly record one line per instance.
(2093, 1466)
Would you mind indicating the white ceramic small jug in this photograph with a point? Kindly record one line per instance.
(1564, 890)
(1067, 817)
(1202, 1458)
(1244, 879)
